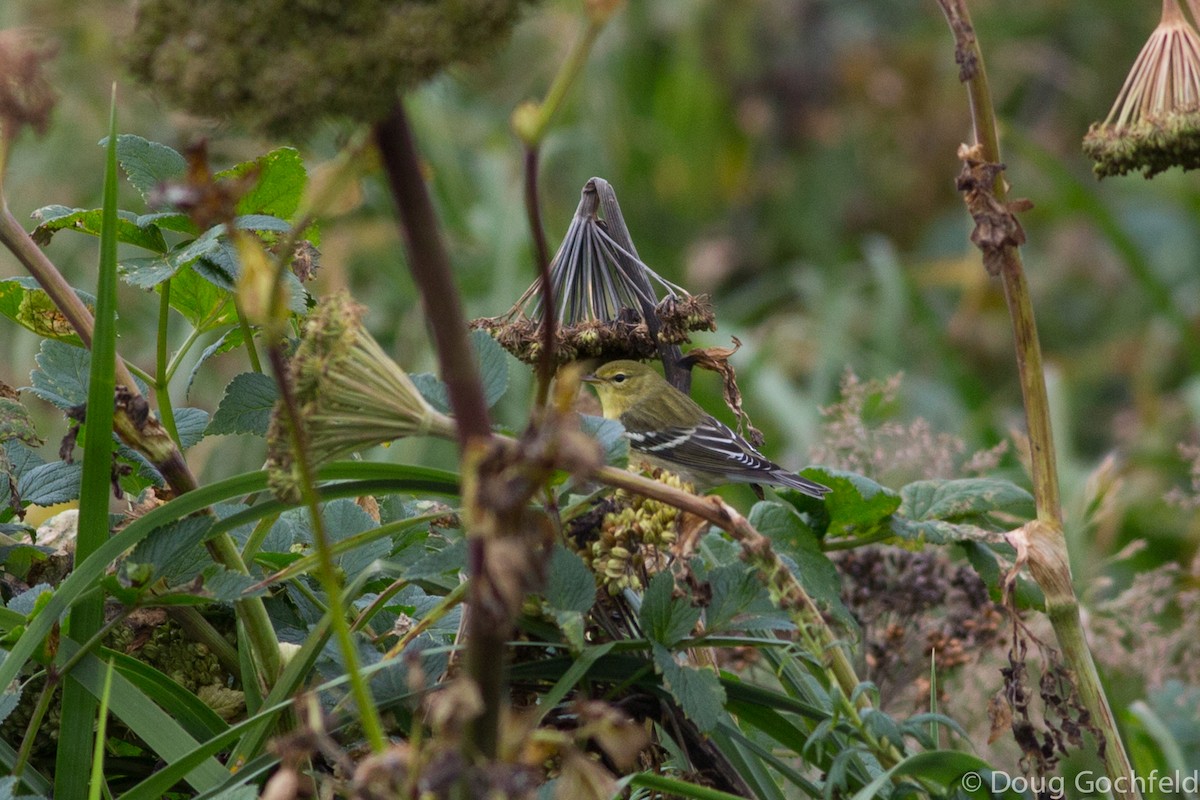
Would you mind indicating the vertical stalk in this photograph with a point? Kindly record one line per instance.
(430, 267)
(998, 236)
(161, 379)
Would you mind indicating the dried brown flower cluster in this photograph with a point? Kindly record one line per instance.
(625, 336)
(350, 394)
(627, 537)
(909, 603)
(1155, 122)
(856, 436)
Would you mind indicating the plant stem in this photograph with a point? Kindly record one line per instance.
(534, 212)
(430, 267)
(248, 338)
(161, 380)
(326, 568)
(986, 193)
(177, 359)
(35, 724)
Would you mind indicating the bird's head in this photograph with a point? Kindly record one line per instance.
(620, 384)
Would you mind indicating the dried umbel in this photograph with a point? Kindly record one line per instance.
(349, 394)
(284, 65)
(606, 301)
(1155, 122)
(26, 97)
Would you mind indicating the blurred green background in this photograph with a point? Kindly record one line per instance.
(795, 158)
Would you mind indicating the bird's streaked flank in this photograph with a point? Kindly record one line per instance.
(669, 429)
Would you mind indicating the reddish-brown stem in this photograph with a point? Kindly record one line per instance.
(542, 252)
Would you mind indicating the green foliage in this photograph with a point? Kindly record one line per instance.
(246, 406)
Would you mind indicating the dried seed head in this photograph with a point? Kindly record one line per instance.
(349, 394)
(1155, 122)
(606, 300)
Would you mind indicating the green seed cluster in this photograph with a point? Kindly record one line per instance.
(190, 664)
(282, 66)
(635, 538)
(1152, 145)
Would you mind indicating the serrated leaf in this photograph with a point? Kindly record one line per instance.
(129, 230)
(229, 340)
(20, 458)
(570, 585)
(433, 390)
(146, 163)
(740, 602)
(19, 558)
(698, 691)
(344, 518)
(666, 619)
(262, 222)
(146, 273)
(246, 406)
(280, 184)
(50, 484)
(61, 374)
(191, 424)
(175, 551)
(856, 506)
(16, 424)
(611, 435)
(957, 500)
(451, 558)
(226, 586)
(169, 221)
(796, 540)
(27, 304)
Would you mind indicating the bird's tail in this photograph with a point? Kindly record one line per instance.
(810, 488)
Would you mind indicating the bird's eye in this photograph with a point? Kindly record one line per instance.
(619, 377)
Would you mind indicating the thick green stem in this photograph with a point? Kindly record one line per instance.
(986, 195)
(161, 380)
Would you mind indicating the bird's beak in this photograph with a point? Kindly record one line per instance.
(590, 378)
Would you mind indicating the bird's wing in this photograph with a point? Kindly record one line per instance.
(709, 446)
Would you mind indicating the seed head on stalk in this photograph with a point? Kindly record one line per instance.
(1155, 122)
(350, 394)
(608, 303)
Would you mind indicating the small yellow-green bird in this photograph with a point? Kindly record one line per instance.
(668, 428)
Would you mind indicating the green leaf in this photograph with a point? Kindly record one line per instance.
(191, 424)
(493, 365)
(611, 435)
(16, 424)
(343, 519)
(280, 184)
(129, 228)
(666, 619)
(492, 360)
(172, 550)
(856, 506)
(52, 483)
(203, 304)
(61, 375)
(76, 735)
(950, 769)
(796, 540)
(229, 340)
(698, 691)
(247, 405)
(28, 305)
(570, 593)
(963, 500)
(571, 586)
(227, 586)
(146, 163)
(740, 602)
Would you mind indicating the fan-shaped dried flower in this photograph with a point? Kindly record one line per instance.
(606, 300)
(349, 393)
(1155, 122)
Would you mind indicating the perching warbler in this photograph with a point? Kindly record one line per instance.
(668, 428)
